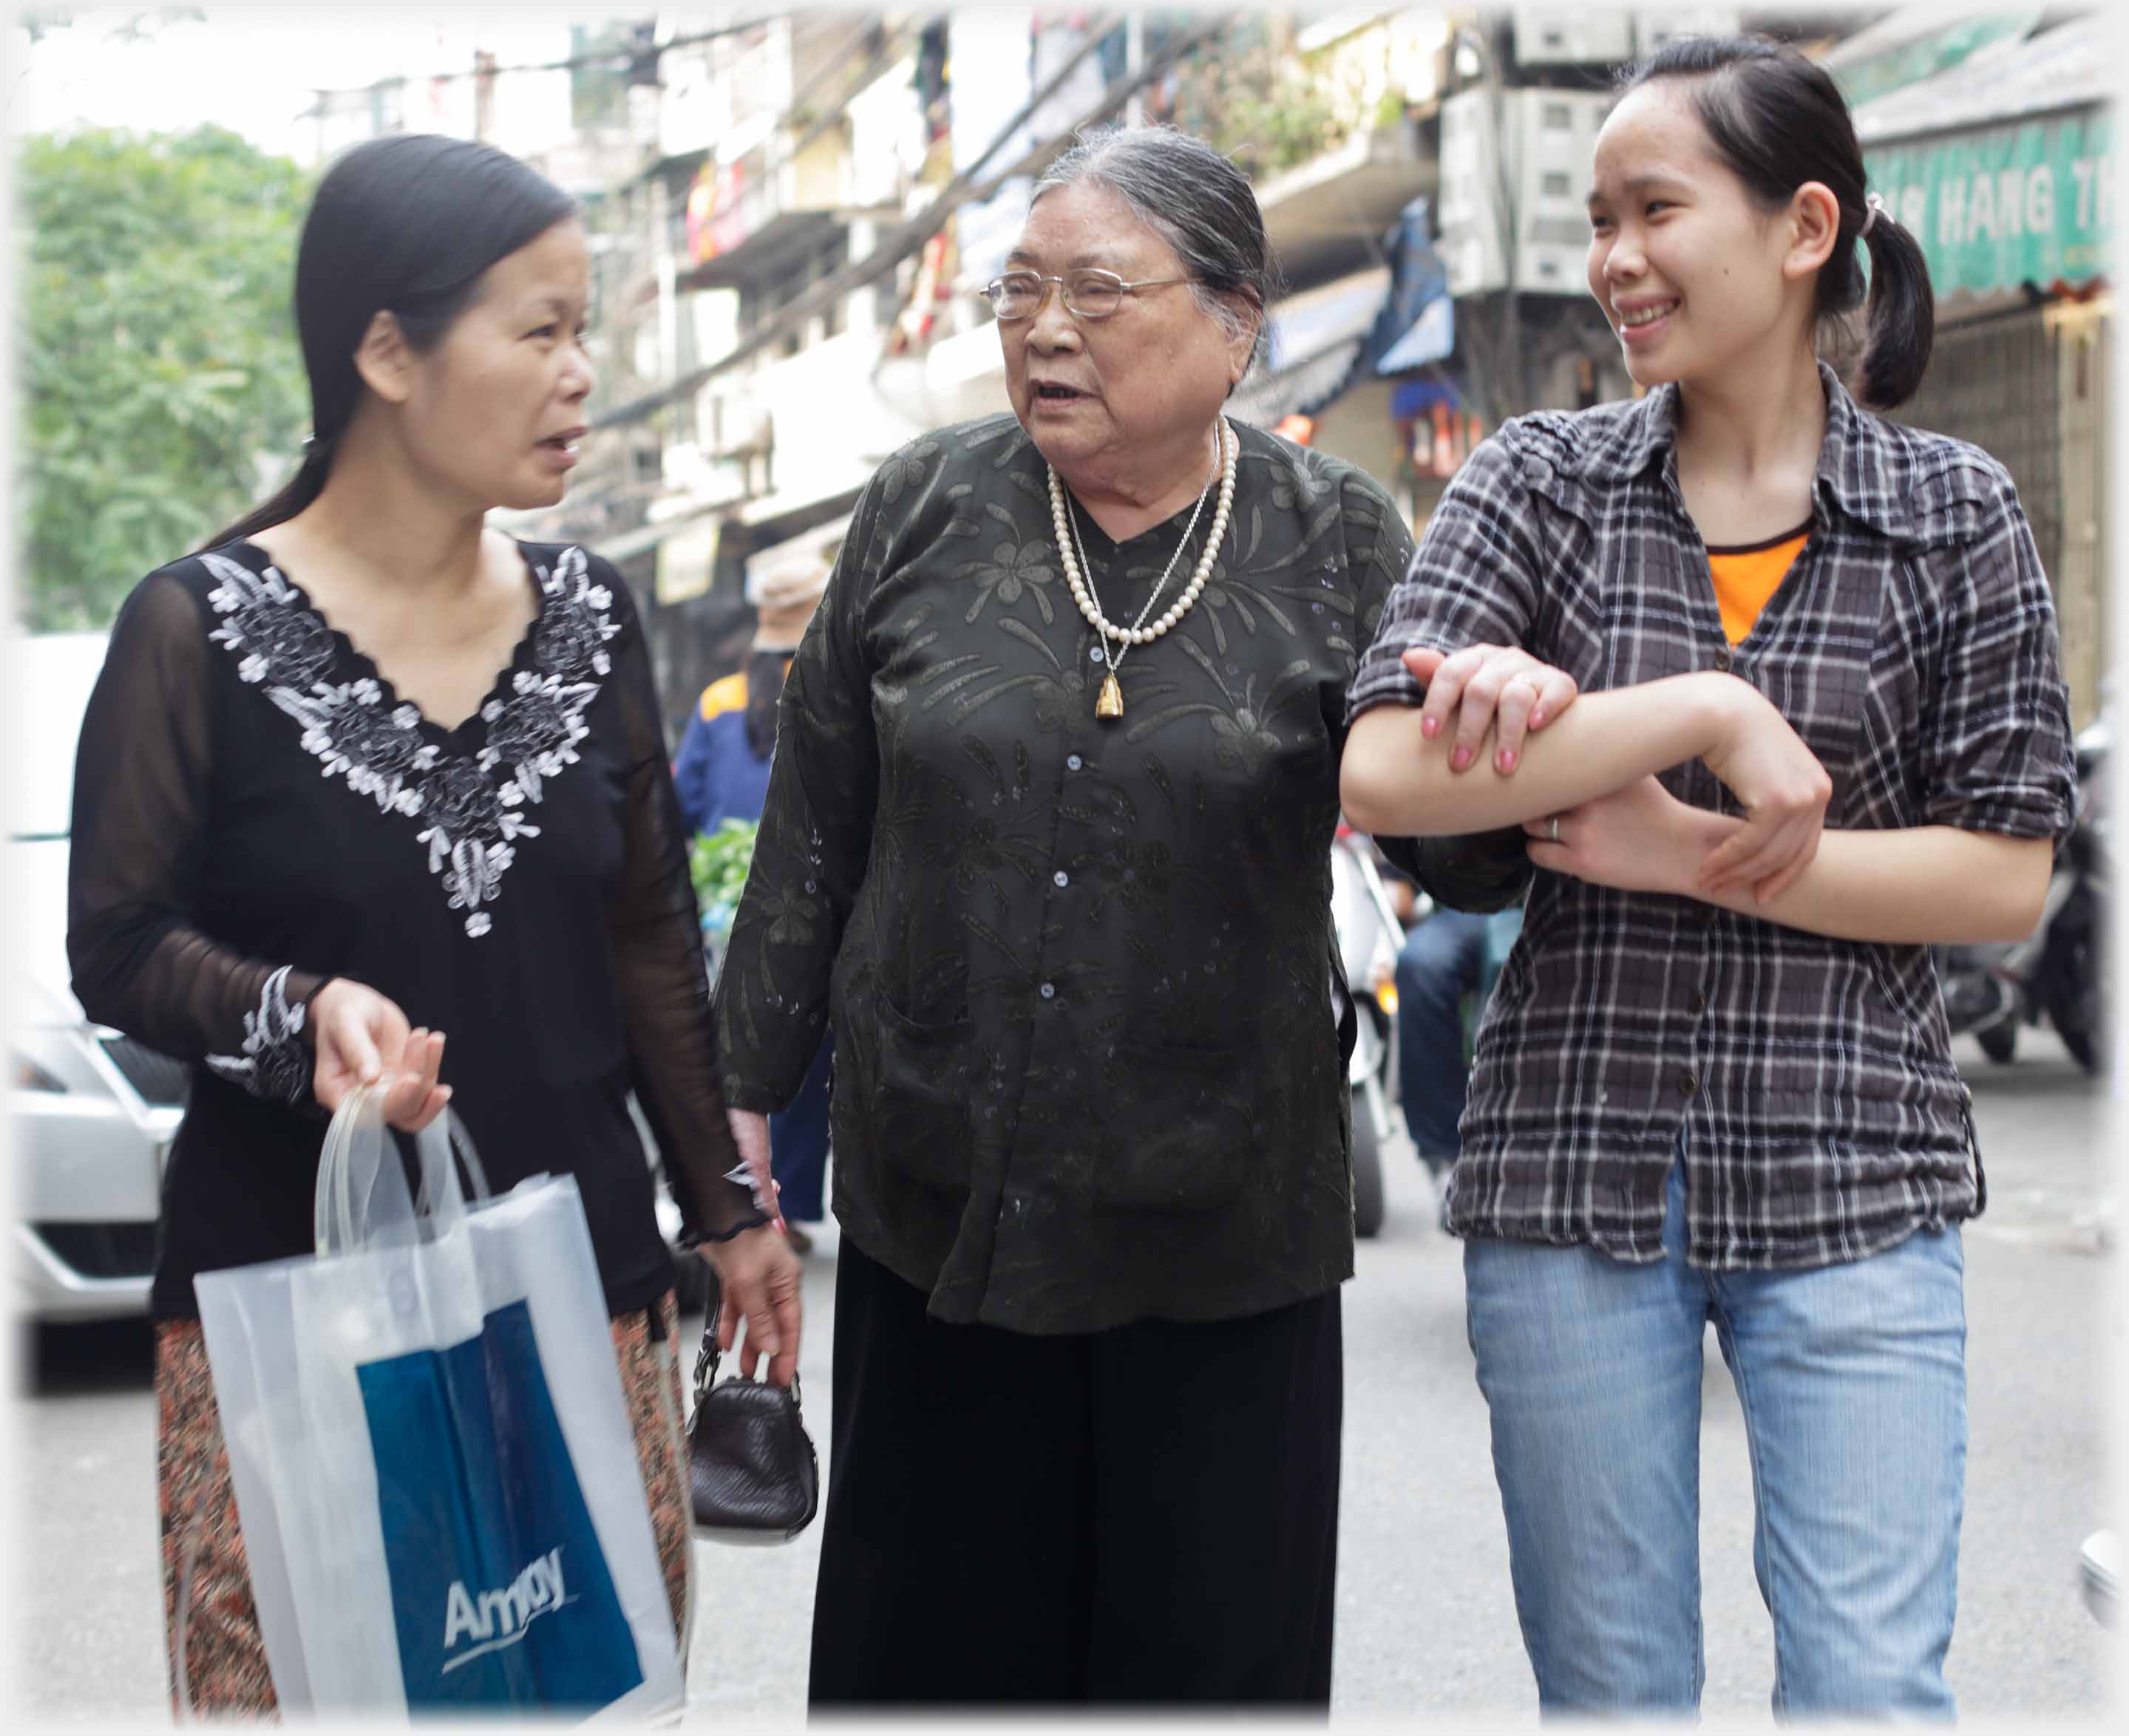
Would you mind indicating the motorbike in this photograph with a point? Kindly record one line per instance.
(1369, 936)
(2056, 972)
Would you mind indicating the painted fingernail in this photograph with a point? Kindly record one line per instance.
(1507, 761)
(1537, 720)
(1430, 727)
(1460, 759)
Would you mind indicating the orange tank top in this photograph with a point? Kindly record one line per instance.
(1747, 577)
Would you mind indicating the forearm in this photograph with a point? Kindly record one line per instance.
(168, 985)
(1393, 780)
(1916, 885)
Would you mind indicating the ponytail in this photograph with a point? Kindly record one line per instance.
(1901, 317)
(297, 492)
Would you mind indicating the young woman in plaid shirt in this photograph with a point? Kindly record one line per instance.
(1821, 726)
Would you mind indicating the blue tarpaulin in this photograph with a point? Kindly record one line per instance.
(1417, 324)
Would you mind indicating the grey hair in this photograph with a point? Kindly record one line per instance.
(1195, 200)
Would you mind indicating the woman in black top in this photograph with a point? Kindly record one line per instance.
(1065, 899)
(314, 829)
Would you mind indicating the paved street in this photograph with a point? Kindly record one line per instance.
(1426, 1621)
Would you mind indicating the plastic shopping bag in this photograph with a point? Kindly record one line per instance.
(432, 1459)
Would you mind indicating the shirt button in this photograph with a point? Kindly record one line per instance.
(1072, 764)
(1688, 1084)
(1722, 658)
(1699, 1004)
(1050, 991)
(1061, 878)
(1094, 652)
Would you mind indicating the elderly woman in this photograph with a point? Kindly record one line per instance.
(1047, 844)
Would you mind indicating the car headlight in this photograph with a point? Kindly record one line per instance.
(24, 1074)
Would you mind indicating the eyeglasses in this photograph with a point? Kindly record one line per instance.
(1089, 294)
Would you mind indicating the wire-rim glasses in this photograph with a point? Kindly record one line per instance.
(1090, 294)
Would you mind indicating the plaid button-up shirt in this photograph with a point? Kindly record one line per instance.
(1912, 647)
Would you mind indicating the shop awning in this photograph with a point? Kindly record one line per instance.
(1917, 43)
(2005, 171)
(1316, 337)
(1432, 338)
(2068, 67)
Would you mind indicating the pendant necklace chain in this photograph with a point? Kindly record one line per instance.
(1079, 573)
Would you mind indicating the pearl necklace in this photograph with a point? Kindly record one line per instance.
(1111, 701)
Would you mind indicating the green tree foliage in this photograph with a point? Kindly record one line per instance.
(159, 365)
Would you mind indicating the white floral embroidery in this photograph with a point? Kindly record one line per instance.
(471, 806)
(764, 1188)
(275, 1065)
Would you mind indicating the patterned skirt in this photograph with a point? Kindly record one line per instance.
(224, 1669)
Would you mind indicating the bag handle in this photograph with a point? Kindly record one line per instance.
(707, 1358)
(362, 1200)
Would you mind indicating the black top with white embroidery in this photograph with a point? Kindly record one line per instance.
(256, 811)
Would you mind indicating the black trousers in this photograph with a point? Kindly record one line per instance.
(1144, 1515)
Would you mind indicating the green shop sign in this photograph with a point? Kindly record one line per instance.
(2026, 203)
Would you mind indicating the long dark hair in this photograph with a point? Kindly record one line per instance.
(408, 224)
(1776, 120)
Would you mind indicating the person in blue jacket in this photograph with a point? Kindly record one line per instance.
(722, 773)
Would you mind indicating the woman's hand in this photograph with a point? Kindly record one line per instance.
(1641, 839)
(1783, 787)
(757, 1275)
(758, 1279)
(361, 1037)
(1502, 687)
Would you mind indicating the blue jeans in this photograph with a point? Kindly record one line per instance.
(1442, 960)
(799, 1143)
(1853, 1381)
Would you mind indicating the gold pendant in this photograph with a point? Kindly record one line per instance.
(1110, 703)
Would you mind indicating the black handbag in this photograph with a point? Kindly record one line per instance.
(752, 1476)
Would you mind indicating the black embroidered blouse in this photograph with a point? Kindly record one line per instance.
(255, 812)
(1080, 971)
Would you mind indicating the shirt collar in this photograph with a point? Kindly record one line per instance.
(1857, 471)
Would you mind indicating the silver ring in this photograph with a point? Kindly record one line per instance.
(1555, 828)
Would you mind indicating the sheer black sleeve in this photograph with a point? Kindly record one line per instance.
(654, 936)
(141, 815)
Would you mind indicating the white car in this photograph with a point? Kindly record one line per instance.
(93, 1112)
